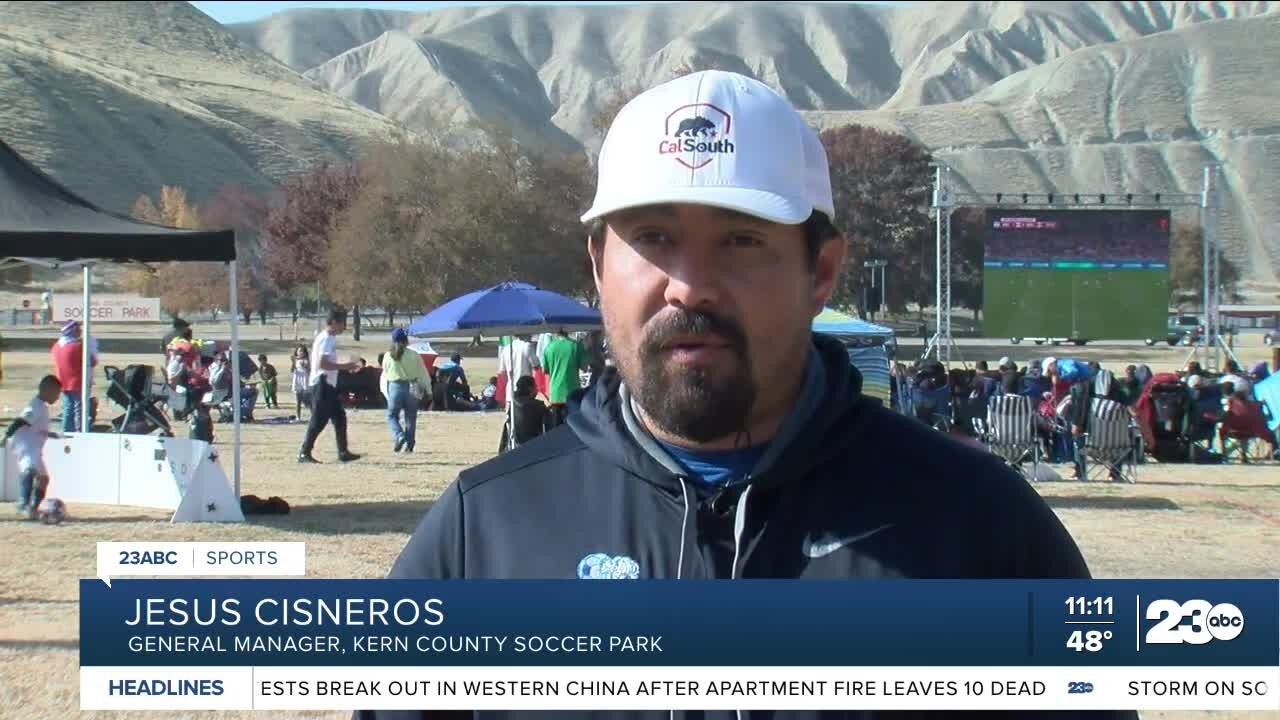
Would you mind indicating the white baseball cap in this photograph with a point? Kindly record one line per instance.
(714, 138)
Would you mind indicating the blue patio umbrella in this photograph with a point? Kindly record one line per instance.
(509, 308)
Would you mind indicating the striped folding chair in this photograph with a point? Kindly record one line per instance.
(1112, 442)
(1011, 431)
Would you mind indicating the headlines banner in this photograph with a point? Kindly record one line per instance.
(566, 645)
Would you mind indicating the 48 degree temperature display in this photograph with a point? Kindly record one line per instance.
(1087, 640)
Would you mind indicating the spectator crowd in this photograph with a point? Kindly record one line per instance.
(1186, 416)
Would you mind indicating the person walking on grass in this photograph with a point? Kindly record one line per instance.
(517, 358)
(326, 404)
(406, 378)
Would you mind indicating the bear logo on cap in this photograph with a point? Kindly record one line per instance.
(694, 134)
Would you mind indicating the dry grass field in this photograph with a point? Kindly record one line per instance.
(1178, 521)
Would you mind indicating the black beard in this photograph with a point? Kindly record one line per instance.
(692, 403)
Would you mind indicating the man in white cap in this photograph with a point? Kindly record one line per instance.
(731, 442)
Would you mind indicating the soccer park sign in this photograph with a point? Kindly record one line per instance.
(107, 308)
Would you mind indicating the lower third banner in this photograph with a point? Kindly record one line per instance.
(574, 645)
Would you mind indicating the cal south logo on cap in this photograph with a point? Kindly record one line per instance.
(694, 134)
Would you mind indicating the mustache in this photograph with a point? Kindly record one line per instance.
(698, 323)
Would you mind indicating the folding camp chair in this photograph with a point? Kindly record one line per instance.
(1011, 431)
(1244, 429)
(1112, 443)
(1204, 416)
(904, 392)
(933, 407)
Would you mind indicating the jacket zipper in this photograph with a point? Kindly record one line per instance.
(684, 524)
(739, 526)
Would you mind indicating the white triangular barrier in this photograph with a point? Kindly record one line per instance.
(208, 496)
(177, 474)
(8, 477)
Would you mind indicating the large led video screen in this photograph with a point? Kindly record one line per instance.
(1083, 274)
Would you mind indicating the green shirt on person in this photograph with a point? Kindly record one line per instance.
(562, 359)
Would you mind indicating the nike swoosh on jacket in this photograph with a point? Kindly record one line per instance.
(588, 487)
(824, 547)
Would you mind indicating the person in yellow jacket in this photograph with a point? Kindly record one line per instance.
(405, 380)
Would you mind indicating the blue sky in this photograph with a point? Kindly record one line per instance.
(229, 12)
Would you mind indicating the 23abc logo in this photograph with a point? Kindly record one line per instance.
(1195, 622)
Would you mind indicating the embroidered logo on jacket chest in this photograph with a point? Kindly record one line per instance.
(602, 566)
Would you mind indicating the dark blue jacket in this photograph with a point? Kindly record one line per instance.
(938, 509)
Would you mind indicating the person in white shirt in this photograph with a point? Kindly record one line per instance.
(1236, 377)
(544, 339)
(489, 395)
(326, 404)
(27, 436)
(300, 379)
(517, 359)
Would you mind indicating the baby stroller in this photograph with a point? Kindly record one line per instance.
(1164, 413)
(136, 391)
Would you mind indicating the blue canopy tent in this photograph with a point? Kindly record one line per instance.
(509, 308)
(867, 345)
(1267, 392)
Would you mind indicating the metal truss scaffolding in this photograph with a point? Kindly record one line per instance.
(1208, 200)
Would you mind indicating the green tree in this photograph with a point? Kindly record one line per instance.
(296, 231)
(1186, 268)
(967, 248)
(183, 287)
(430, 222)
(881, 186)
(236, 208)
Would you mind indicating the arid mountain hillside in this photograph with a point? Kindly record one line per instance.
(119, 98)
(1017, 96)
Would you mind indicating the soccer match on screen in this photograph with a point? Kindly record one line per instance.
(639, 360)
